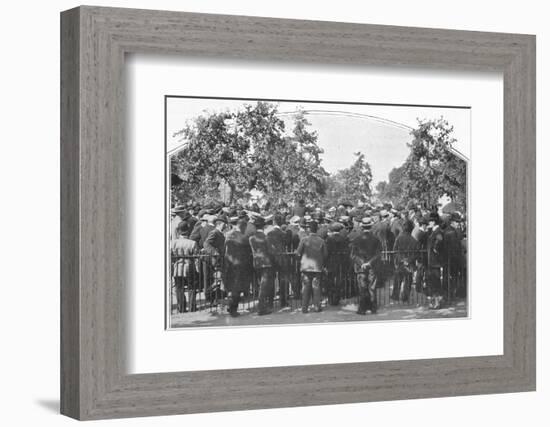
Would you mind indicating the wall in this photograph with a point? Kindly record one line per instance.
(29, 168)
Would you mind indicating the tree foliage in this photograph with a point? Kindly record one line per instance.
(352, 184)
(248, 150)
(431, 170)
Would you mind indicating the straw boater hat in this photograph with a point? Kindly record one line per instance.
(367, 223)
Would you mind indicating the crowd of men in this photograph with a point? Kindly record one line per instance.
(218, 248)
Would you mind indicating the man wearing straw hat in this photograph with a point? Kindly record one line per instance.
(365, 255)
(312, 252)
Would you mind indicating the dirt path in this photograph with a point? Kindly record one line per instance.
(340, 313)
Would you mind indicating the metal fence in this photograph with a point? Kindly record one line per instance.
(197, 282)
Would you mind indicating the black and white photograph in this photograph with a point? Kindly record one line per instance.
(304, 211)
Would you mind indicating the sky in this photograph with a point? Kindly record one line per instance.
(381, 132)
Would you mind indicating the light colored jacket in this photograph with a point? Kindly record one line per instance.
(312, 251)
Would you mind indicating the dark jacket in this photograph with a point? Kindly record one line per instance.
(200, 233)
(299, 211)
(214, 243)
(312, 251)
(237, 249)
(382, 231)
(365, 248)
(338, 252)
(262, 251)
(453, 245)
(250, 229)
(407, 248)
(281, 242)
(322, 232)
(437, 256)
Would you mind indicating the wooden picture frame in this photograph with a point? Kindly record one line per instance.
(94, 41)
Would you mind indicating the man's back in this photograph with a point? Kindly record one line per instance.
(215, 242)
(237, 249)
(183, 246)
(262, 252)
(407, 247)
(364, 248)
(313, 252)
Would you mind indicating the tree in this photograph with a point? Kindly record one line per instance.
(247, 150)
(298, 162)
(356, 179)
(352, 183)
(433, 169)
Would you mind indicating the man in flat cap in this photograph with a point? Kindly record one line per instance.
(312, 253)
(365, 255)
(263, 255)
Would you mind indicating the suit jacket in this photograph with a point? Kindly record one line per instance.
(174, 227)
(237, 249)
(406, 247)
(312, 251)
(200, 233)
(383, 232)
(262, 251)
(365, 248)
(322, 232)
(437, 256)
(214, 243)
(421, 237)
(337, 252)
(299, 211)
(250, 229)
(396, 227)
(281, 242)
(184, 250)
(453, 244)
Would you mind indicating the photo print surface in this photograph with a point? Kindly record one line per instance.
(291, 211)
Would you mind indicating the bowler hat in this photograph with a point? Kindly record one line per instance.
(220, 218)
(258, 220)
(336, 227)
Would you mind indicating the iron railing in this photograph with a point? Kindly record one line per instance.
(199, 280)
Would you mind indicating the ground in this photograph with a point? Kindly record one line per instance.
(341, 313)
